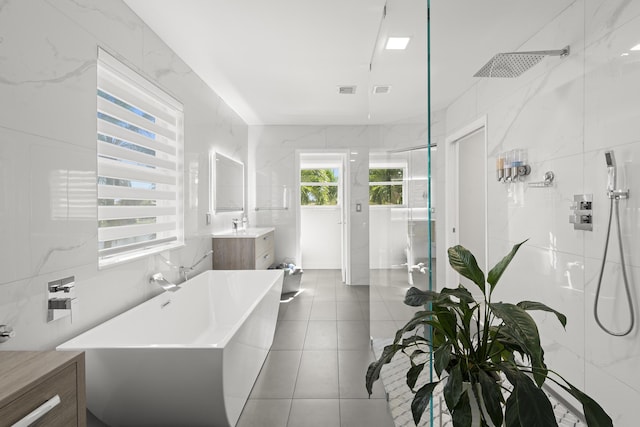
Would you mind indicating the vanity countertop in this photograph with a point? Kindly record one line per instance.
(249, 233)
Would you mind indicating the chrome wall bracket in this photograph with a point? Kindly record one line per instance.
(582, 212)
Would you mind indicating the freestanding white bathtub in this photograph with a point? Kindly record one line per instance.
(185, 358)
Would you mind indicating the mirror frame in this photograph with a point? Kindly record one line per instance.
(217, 161)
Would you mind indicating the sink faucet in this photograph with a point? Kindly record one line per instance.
(185, 271)
(159, 279)
(234, 223)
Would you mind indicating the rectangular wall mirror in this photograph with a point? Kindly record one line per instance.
(228, 184)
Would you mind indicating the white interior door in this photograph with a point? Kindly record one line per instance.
(323, 233)
(467, 160)
(471, 195)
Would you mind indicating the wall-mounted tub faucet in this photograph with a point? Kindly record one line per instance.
(159, 279)
(185, 271)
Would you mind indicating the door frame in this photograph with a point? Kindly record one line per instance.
(344, 190)
(452, 214)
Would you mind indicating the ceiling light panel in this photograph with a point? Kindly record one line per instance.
(397, 43)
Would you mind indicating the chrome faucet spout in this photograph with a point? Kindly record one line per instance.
(159, 279)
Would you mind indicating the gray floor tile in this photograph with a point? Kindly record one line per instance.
(352, 368)
(325, 293)
(354, 335)
(383, 328)
(365, 413)
(400, 311)
(297, 310)
(278, 376)
(347, 293)
(265, 412)
(318, 375)
(349, 310)
(290, 335)
(315, 413)
(378, 311)
(323, 310)
(321, 335)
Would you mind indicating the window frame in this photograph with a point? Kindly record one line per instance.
(140, 143)
(321, 184)
(390, 165)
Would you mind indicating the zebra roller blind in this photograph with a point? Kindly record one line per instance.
(140, 165)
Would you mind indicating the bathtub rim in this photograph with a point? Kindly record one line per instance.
(72, 344)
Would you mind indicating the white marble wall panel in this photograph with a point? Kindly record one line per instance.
(463, 110)
(50, 207)
(48, 213)
(47, 66)
(359, 174)
(111, 24)
(619, 400)
(544, 117)
(603, 17)
(612, 90)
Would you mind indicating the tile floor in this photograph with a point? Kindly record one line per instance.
(314, 373)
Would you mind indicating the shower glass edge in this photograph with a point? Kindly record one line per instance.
(429, 236)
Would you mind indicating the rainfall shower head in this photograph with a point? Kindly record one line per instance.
(512, 64)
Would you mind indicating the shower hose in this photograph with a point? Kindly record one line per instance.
(624, 274)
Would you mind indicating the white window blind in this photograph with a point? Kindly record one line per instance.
(140, 165)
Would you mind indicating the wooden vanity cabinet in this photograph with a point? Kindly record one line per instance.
(29, 379)
(243, 252)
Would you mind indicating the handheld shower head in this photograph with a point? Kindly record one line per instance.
(611, 170)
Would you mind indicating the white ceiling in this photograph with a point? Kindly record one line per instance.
(281, 61)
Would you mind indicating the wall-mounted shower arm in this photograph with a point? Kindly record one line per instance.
(555, 52)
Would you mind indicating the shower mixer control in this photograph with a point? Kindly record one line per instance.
(582, 215)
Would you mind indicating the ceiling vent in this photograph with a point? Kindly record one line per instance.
(347, 90)
(381, 89)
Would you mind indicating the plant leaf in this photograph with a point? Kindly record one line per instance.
(519, 325)
(412, 375)
(496, 272)
(463, 261)
(448, 322)
(492, 397)
(421, 400)
(533, 305)
(442, 357)
(415, 297)
(461, 414)
(533, 406)
(511, 412)
(373, 371)
(461, 293)
(453, 388)
(420, 318)
(593, 413)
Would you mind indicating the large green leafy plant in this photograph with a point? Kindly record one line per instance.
(480, 342)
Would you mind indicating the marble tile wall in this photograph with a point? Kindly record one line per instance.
(48, 161)
(566, 113)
